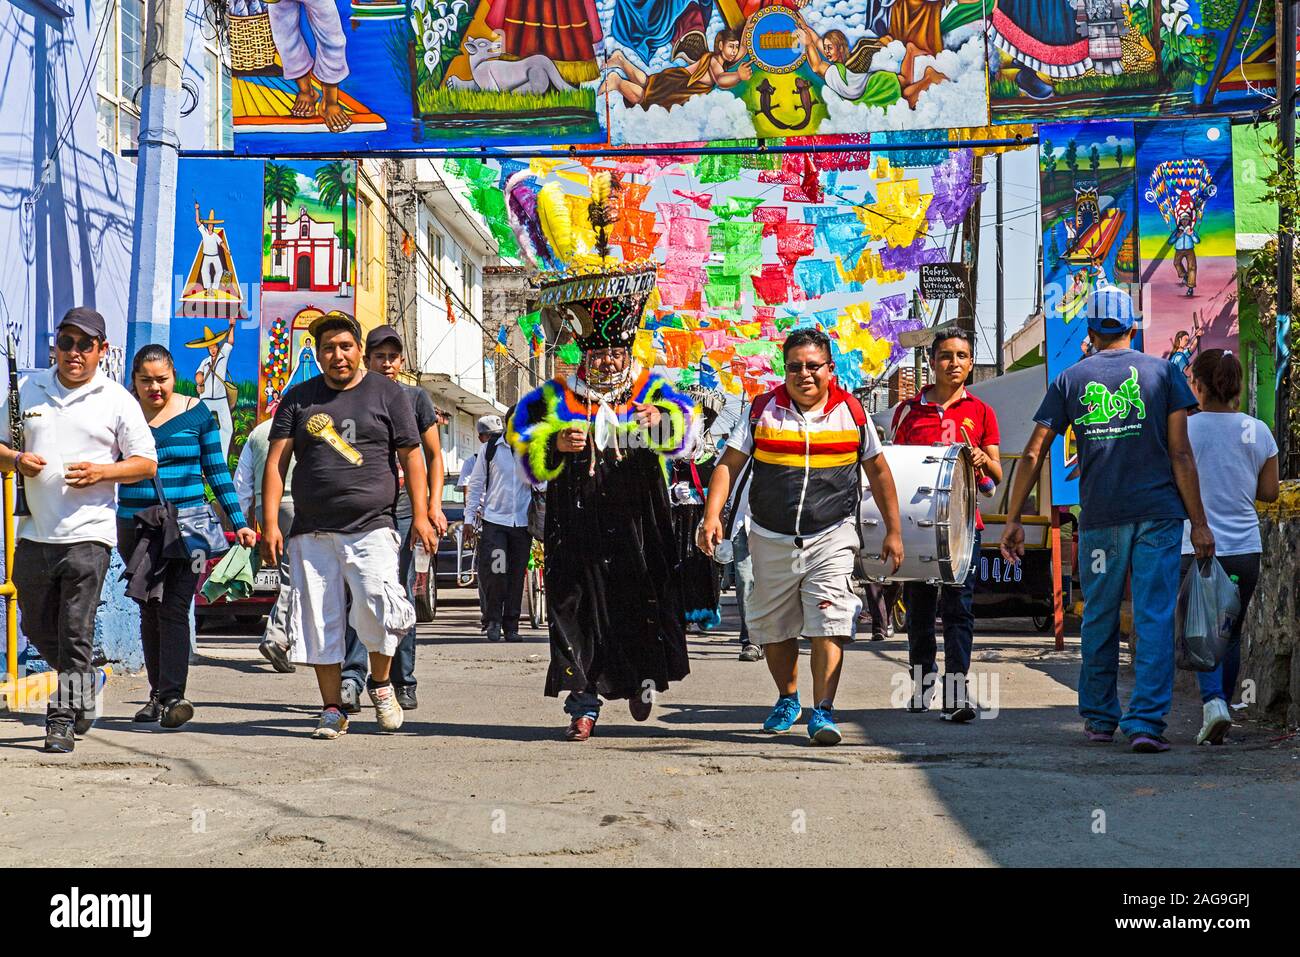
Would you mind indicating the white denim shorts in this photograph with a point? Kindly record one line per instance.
(328, 566)
(802, 591)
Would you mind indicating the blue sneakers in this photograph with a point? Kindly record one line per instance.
(784, 715)
(822, 728)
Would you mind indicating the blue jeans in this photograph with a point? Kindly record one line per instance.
(954, 602)
(1149, 552)
(582, 704)
(356, 660)
(744, 578)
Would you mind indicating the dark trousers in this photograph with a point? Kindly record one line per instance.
(880, 601)
(502, 564)
(58, 595)
(356, 659)
(165, 623)
(1222, 682)
(954, 603)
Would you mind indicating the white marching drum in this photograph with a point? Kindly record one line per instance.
(936, 503)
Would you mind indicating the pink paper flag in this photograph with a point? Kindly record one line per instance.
(684, 231)
(670, 211)
(702, 200)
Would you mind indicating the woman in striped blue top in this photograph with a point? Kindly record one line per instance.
(189, 451)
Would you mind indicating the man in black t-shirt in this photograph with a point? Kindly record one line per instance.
(347, 431)
(384, 357)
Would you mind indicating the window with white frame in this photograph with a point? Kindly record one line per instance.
(121, 61)
(435, 258)
(218, 130)
(469, 282)
(363, 240)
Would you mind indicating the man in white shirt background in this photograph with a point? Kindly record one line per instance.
(496, 507)
(248, 486)
(488, 426)
(82, 434)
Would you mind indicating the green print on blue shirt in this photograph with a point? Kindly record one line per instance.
(1105, 406)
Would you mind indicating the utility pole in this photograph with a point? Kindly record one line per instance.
(971, 254)
(1001, 313)
(1286, 39)
(404, 273)
(149, 307)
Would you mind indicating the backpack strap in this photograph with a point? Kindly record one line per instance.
(756, 409)
(861, 420)
(488, 454)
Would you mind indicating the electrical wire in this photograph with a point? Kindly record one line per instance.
(394, 220)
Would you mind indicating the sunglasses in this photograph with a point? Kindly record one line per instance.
(67, 343)
(794, 368)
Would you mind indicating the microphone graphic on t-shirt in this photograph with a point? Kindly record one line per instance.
(321, 427)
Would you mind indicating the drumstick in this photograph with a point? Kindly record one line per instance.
(986, 484)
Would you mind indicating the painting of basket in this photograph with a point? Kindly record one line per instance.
(252, 49)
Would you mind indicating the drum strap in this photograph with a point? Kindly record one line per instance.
(695, 480)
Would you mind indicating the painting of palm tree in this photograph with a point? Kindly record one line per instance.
(279, 188)
(336, 181)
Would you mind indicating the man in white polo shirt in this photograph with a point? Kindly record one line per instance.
(82, 434)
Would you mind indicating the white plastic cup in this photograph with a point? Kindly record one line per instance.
(421, 558)
(724, 552)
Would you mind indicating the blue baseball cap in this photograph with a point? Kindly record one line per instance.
(1110, 310)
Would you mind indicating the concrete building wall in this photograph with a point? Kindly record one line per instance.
(454, 251)
(67, 203)
(372, 232)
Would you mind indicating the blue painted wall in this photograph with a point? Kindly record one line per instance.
(66, 205)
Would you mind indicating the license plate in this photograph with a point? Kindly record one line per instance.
(268, 579)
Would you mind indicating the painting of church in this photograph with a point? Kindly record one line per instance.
(306, 254)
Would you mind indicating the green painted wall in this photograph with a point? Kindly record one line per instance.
(1254, 218)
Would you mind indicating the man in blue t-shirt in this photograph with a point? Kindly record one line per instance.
(1138, 483)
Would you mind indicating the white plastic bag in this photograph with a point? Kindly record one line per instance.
(1208, 605)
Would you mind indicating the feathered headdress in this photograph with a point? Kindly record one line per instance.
(599, 298)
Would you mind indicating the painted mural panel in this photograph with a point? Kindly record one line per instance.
(308, 267)
(351, 76)
(1189, 238)
(217, 277)
(696, 70)
(1060, 59)
(1090, 233)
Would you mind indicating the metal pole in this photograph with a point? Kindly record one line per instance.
(628, 152)
(1001, 314)
(7, 590)
(149, 308)
(1285, 236)
(971, 253)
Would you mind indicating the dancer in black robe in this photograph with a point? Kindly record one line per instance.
(600, 439)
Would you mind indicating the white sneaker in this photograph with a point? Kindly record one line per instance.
(1216, 722)
(387, 710)
(333, 723)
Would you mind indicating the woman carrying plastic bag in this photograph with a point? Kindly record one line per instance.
(1236, 458)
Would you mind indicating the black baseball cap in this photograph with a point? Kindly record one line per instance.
(381, 334)
(86, 319)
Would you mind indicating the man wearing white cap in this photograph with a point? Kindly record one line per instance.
(488, 428)
(1137, 485)
(488, 425)
(496, 507)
